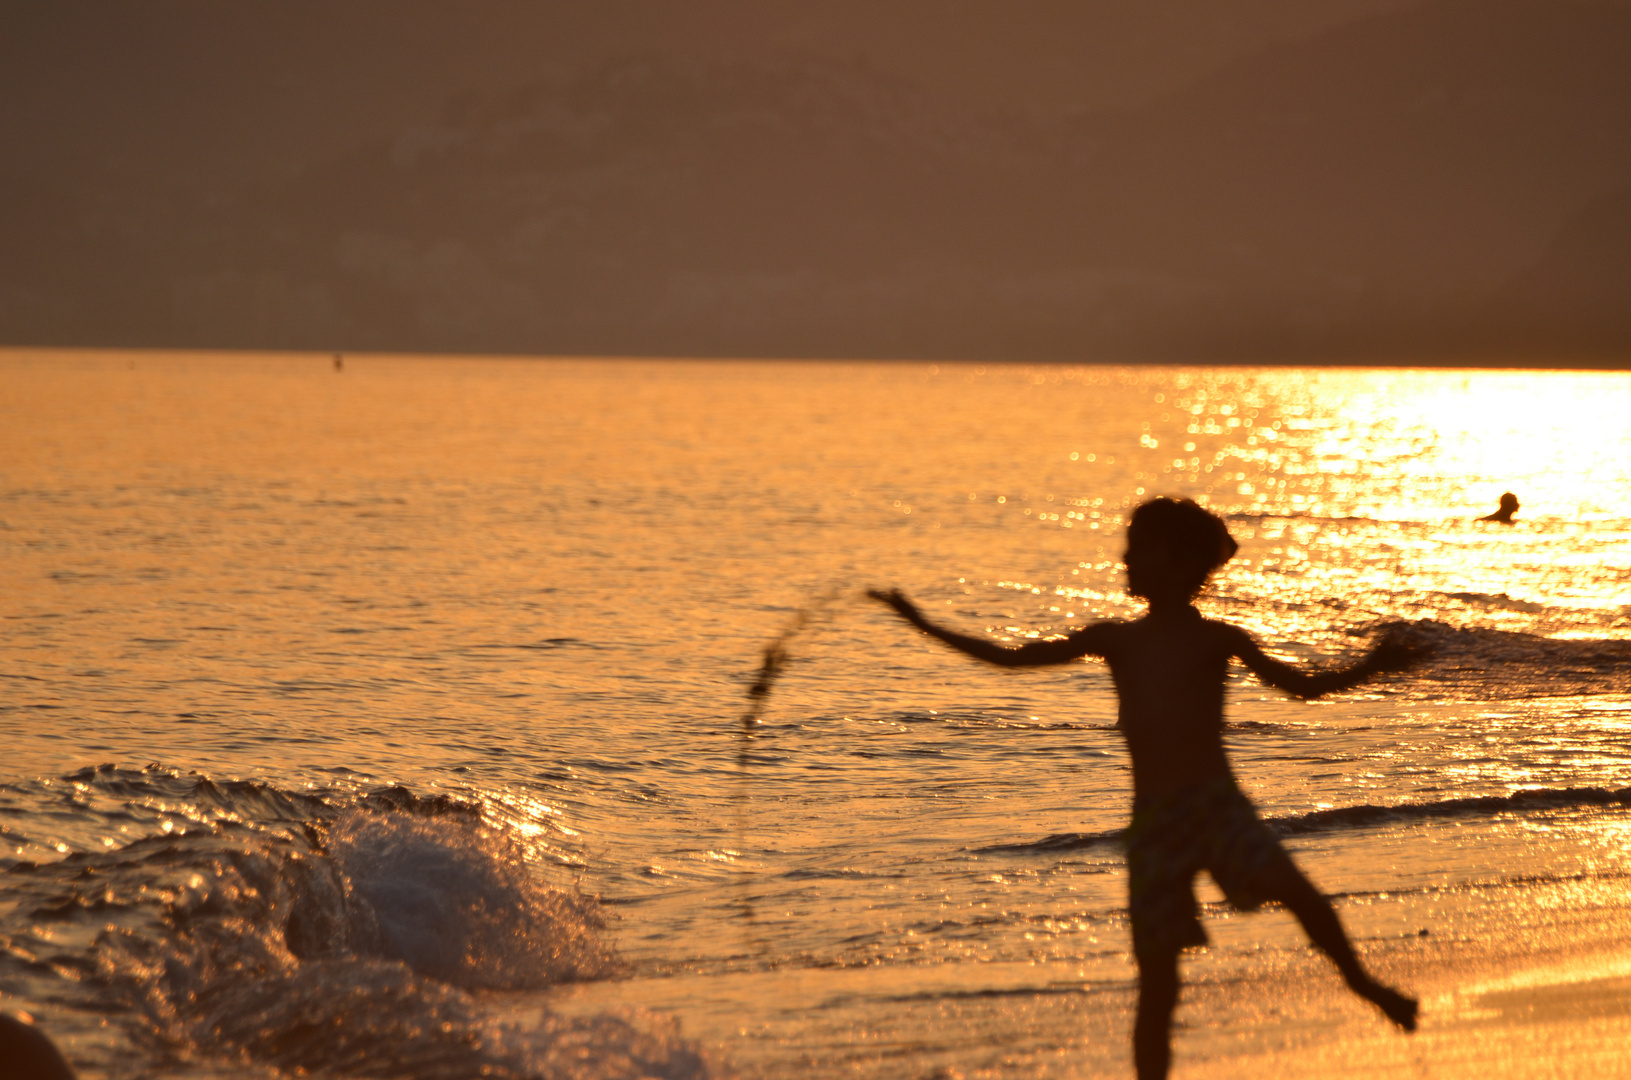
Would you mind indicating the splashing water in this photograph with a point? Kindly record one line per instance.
(336, 935)
(455, 902)
(775, 656)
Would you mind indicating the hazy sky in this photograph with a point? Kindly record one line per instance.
(1181, 179)
(270, 84)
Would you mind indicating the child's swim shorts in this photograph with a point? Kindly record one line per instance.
(1212, 827)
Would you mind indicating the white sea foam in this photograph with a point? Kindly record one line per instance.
(456, 902)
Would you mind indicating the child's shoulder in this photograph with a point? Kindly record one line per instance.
(1099, 637)
(1228, 634)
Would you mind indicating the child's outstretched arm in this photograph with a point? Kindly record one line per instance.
(1089, 639)
(1388, 655)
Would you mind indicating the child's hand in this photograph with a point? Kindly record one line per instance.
(897, 600)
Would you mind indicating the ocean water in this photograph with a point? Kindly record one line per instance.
(390, 721)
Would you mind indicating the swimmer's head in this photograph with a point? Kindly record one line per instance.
(1173, 545)
(1509, 502)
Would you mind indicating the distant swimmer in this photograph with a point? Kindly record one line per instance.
(339, 362)
(1509, 506)
(26, 1054)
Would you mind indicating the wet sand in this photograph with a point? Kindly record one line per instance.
(1569, 1028)
(1531, 986)
(1558, 1005)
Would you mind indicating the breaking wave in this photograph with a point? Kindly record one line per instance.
(332, 934)
(1506, 664)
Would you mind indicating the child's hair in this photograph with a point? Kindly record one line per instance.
(1197, 538)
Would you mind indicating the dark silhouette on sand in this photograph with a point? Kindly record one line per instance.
(27, 1054)
(1509, 506)
(1189, 813)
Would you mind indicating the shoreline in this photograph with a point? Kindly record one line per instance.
(1536, 1016)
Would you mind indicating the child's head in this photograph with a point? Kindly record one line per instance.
(1173, 545)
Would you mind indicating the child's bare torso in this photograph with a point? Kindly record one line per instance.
(1169, 673)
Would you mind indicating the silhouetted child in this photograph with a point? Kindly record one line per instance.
(1188, 812)
(1509, 506)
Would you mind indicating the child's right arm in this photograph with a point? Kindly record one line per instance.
(1090, 639)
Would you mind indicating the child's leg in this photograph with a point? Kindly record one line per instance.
(1285, 883)
(1157, 997)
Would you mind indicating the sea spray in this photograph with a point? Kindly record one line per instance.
(455, 901)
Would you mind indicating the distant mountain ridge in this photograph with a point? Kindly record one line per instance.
(1423, 184)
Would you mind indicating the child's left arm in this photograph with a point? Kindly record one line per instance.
(1388, 655)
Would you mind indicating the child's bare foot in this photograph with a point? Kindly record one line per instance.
(1394, 1005)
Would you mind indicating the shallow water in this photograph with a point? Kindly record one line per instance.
(418, 694)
